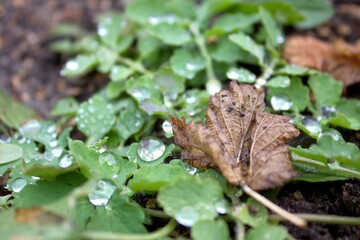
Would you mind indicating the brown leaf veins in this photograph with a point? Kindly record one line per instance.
(246, 144)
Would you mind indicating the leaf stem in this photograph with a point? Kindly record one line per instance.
(298, 221)
(329, 219)
(137, 66)
(213, 85)
(261, 80)
(156, 213)
(159, 234)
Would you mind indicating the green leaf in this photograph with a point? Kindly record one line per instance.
(110, 27)
(41, 131)
(63, 46)
(265, 231)
(235, 21)
(187, 64)
(67, 30)
(43, 192)
(295, 70)
(149, 152)
(169, 83)
(12, 113)
(297, 93)
(210, 230)
(315, 13)
(247, 44)
(278, 82)
(227, 51)
(252, 213)
(119, 215)
(153, 107)
(79, 66)
(327, 91)
(141, 10)
(129, 122)
(142, 89)
(147, 44)
(153, 178)
(199, 203)
(65, 107)
(171, 33)
(114, 89)
(272, 30)
(95, 118)
(106, 58)
(10, 152)
(348, 114)
(241, 75)
(119, 73)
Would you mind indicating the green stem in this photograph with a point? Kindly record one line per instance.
(240, 230)
(156, 213)
(200, 42)
(329, 219)
(137, 66)
(159, 234)
(261, 80)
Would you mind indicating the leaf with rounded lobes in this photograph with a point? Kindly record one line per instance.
(10, 152)
(210, 230)
(272, 30)
(249, 45)
(171, 33)
(187, 64)
(265, 231)
(247, 145)
(235, 21)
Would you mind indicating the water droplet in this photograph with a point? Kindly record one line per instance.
(22, 140)
(221, 206)
(102, 193)
(30, 128)
(108, 208)
(241, 75)
(187, 216)
(190, 169)
(280, 39)
(53, 143)
(51, 129)
(213, 87)
(91, 109)
(334, 134)
(281, 102)
(66, 161)
(108, 158)
(190, 99)
(190, 66)
(102, 31)
(328, 112)
(18, 184)
(150, 149)
(137, 123)
(57, 151)
(312, 125)
(49, 156)
(167, 128)
(141, 93)
(72, 65)
(155, 20)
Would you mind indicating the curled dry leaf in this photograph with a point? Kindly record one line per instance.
(340, 59)
(246, 144)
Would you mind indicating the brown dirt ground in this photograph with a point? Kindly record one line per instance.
(30, 73)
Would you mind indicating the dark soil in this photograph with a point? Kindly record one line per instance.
(30, 73)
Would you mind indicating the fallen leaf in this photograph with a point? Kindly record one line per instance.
(246, 144)
(340, 59)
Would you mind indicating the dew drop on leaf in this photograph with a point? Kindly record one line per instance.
(150, 149)
(30, 128)
(190, 169)
(72, 65)
(334, 134)
(66, 161)
(213, 87)
(18, 184)
(167, 128)
(102, 193)
(281, 102)
(187, 216)
(221, 206)
(312, 125)
(328, 112)
(107, 158)
(56, 152)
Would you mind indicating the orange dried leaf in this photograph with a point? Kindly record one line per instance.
(340, 59)
(247, 145)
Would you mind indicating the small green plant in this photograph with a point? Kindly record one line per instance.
(162, 59)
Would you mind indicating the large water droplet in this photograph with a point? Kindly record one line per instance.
(213, 87)
(57, 151)
(328, 112)
(241, 74)
(102, 32)
(66, 161)
(221, 206)
(280, 102)
(312, 125)
(18, 184)
(150, 149)
(53, 143)
(30, 128)
(190, 169)
(187, 216)
(72, 65)
(334, 134)
(102, 193)
(167, 128)
(107, 158)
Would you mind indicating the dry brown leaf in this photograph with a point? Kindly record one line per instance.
(247, 145)
(340, 59)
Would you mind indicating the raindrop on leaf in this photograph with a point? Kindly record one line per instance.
(150, 149)
(102, 193)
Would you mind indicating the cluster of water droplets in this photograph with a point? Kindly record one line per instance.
(102, 193)
(150, 149)
(241, 75)
(312, 125)
(170, 19)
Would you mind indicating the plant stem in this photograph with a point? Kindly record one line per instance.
(137, 66)
(240, 230)
(261, 80)
(159, 234)
(273, 207)
(200, 42)
(156, 213)
(329, 219)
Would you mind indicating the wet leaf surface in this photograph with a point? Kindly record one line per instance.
(246, 144)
